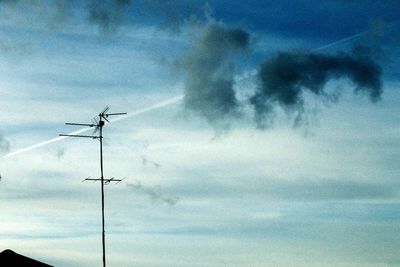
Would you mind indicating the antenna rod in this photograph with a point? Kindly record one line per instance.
(113, 114)
(103, 236)
(80, 124)
(78, 135)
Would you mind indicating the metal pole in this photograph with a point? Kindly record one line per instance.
(101, 123)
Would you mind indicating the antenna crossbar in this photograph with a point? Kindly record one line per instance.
(81, 124)
(84, 136)
(105, 181)
(114, 114)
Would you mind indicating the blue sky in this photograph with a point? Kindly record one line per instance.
(205, 185)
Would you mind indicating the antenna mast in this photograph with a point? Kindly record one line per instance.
(99, 124)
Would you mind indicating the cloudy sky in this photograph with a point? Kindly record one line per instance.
(259, 133)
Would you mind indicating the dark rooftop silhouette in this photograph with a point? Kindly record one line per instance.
(10, 258)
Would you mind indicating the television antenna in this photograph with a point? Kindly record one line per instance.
(98, 124)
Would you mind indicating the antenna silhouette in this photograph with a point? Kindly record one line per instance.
(98, 125)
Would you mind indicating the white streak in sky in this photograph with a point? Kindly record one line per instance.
(355, 36)
(161, 104)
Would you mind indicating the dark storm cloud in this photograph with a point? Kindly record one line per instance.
(209, 71)
(286, 75)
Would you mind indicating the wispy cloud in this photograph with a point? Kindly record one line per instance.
(60, 153)
(4, 144)
(146, 161)
(153, 193)
(107, 15)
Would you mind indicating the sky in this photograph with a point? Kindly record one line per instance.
(259, 133)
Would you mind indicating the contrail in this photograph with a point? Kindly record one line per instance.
(355, 36)
(161, 104)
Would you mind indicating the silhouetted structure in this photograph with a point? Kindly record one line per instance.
(9, 258)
